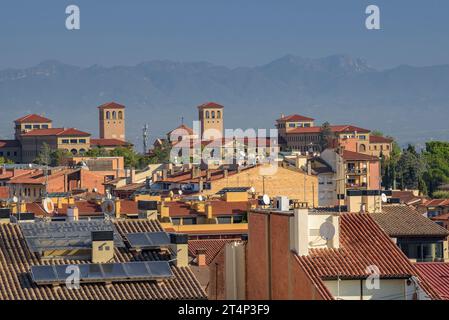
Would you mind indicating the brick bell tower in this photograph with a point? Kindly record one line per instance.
(211, 117)
(112, 121)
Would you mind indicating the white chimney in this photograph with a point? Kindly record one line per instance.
(72, 214)
(299, 231)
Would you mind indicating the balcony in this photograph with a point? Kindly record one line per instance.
(356, 171)
(350, 185)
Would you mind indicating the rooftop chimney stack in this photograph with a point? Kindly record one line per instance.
(102, 246)
(72, 214)
(180, 247)
(201, 257)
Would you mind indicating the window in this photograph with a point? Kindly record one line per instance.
(15, 153)
(82, 140)
(218, 114)
(306, 125)
(44, 126)
(176, 221)
(120, 115)
(207, 115)
(28, 126)
(74, 151)
(238, 219)
(1, 153)
(8, 153)
(224, 219)
(188, 221)
(362, 148)
(114, 115)
(65, 141)
(213, 114)
(108, 115)
(73, 141)
(362, 137)
(291, 125)
(36, 126)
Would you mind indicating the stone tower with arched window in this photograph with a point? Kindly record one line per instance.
(211, 118)
(112, 121)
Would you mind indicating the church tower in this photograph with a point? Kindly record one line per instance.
(210, 115)
(112, 121)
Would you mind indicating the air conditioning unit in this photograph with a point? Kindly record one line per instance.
(282, 203)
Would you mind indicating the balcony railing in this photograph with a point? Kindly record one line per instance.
(355, 171)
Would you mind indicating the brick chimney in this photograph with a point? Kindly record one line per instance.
(201, 257)
(118, 210)
(209, 211)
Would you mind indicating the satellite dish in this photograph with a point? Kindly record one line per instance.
(180, 192)
(384, 197)
(200, 198)
(252, 190)
(108, 207)
(95, 190)
(266, 199)
(48, 205)
(15, 199)
(327, 231)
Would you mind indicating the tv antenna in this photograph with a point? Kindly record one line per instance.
(145, 138)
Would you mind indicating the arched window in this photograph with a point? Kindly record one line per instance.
(114, 115)
(120, 115)
(218, 114)
(213, 114)
(82, 151)
(362, 148)
(108, 115)
(73, 151)
(207, 115)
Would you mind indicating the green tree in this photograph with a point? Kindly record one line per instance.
(325, 135)
(377, 133)
(97, 152)
(4, 160)
(436, 156)
(57, 157)
(410, 168)
(44, 156)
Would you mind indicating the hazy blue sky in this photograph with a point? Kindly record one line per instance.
(228, 32)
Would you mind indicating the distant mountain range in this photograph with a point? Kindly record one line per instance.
(409, 103)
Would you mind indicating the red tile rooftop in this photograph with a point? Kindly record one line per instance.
(355, 156)
(437, 203)
(362, 243)
(211, 246)
(334, 128)
(181, 130)
(295, 117)
(33, 118)
(9, 143)
(62, 132)
(210, 105)
(378, 139)
(111, 105)
(437, 275)
(108, 142)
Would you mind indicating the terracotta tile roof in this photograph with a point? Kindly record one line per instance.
(210, 105)
(294, 117)
(111, 105)
(4, 192)
(212, 247)
(362, 244)
(405, 221)
(441, 217)
(85, 208)
(108, 142)
(355, 156)
(38, 177)
(407, 197)
(181, 130)
(437, 203)
(61, 132)
(334, 129)
(16, 283)
(437, 275)
(9, 143)
(379, 139)
(32, 118)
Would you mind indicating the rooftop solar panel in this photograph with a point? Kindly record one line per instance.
(109, 272)
(233, 189)
(43, 236)
(148, 240)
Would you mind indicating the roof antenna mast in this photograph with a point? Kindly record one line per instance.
(145, 138)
